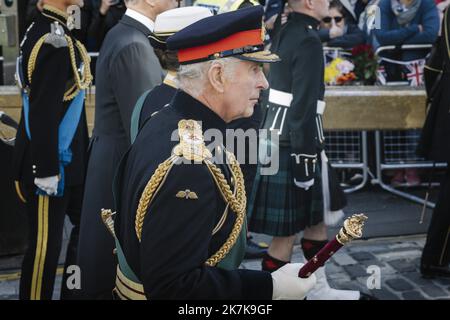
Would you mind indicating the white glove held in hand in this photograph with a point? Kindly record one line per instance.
(288, 286)
(48, 184)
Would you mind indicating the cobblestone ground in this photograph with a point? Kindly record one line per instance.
(398, 262)
(397, 259)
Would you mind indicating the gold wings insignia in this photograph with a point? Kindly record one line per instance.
(187, 194)
(192, 195)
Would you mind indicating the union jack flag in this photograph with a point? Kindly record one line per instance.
(381, 75)
(414, 72)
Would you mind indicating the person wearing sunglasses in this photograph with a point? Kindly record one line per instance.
(335, 32)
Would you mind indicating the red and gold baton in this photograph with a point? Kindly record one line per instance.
(351, 230)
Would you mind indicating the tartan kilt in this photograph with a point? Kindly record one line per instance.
(277, 207)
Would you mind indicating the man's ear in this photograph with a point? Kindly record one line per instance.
(216, 77)
(309, 4)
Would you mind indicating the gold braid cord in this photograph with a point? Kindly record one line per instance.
(33, 56)
(150, 191)
(80, 84)
(237, 201)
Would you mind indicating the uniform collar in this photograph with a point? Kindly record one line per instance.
(191, 108)
(55, 14)
(171, 79)
(146, 21)
(311, 22)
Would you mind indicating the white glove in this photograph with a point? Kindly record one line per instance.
(288, 286)
(48, 184)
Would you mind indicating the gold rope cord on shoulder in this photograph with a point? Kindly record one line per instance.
(33, 56)
(225, 213)
(150, 191)
(80, 84)
(236, 201)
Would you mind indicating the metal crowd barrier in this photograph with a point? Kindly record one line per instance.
(403, 47)
(394, 149)
(348, 150)
(407, 64)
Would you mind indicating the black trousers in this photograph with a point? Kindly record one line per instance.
(437, 246)
(46, 222)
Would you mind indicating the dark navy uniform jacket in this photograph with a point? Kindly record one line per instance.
(51, 78)
(177, 232)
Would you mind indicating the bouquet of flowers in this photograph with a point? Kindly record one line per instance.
(339, 72)
(366, 64)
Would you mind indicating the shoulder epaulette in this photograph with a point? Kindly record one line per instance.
(56, 37)
(192, 145)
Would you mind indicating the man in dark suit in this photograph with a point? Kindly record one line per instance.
(127, 66)
(50, 151)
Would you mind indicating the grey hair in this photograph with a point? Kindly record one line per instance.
(191, 78)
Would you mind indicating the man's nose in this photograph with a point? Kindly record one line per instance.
(262, 81)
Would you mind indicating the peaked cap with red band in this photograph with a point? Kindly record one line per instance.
(237, 33)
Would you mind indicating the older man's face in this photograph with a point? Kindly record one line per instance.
(242, 92)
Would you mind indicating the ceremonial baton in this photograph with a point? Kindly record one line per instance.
(351, 230)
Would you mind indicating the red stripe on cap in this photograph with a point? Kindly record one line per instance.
(235, 41)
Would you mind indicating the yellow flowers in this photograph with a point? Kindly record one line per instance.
(336, 69)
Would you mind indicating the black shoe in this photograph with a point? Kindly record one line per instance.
(254, 251)
(431, 271)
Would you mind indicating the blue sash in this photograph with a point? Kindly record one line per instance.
(66, 132)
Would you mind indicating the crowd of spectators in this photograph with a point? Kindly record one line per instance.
(350, 24)
(397, 22)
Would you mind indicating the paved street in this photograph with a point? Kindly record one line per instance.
(398, 261)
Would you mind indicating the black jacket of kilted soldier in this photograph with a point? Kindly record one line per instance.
(435, 145)
(296, 87)
(295, 106)
(49, 75)
(126, 67)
